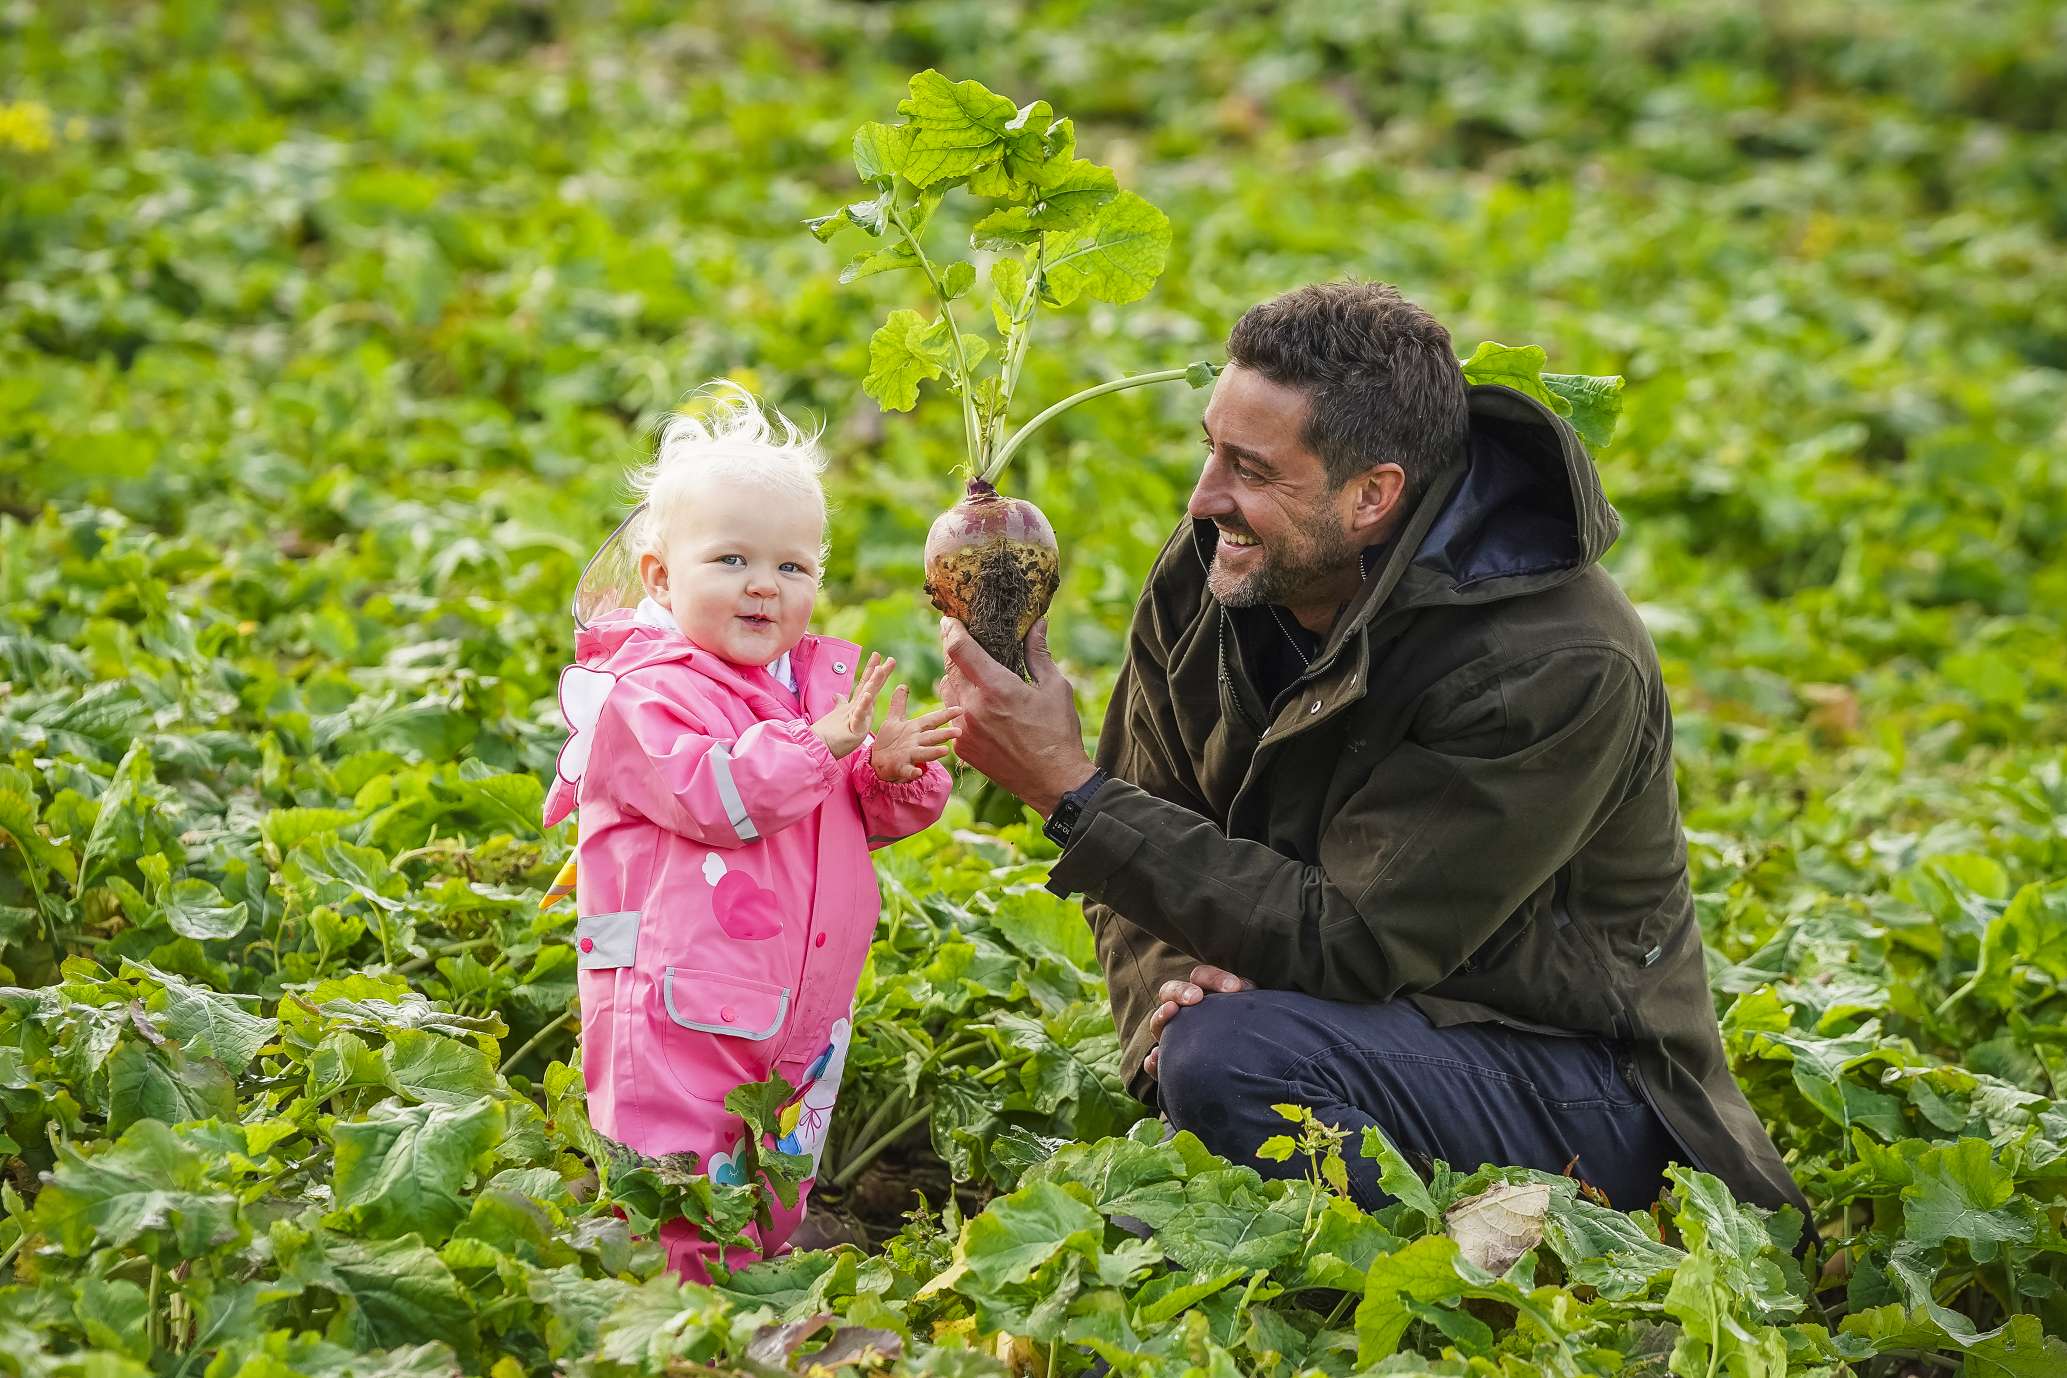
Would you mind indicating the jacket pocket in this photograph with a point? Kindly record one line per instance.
(714, 1029)
(602, 941)
(718, 1003)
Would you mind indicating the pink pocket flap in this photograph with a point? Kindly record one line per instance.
(719, 1003)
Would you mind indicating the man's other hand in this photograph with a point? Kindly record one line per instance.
(1025, 737)
(1175, 995)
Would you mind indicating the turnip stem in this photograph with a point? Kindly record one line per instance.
(1015, 355)
(970, 434)
(1019, 437)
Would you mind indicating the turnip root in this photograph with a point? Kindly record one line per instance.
(992, 564)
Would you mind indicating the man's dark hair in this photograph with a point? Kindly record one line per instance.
(1384, 382)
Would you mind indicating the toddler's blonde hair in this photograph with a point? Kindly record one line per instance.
(730, 436)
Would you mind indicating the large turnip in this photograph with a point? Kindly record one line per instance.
(1056, 228)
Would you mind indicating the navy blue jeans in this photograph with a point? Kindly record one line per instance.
(1465, 1093)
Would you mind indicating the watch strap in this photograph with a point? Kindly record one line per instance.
(1062, 823)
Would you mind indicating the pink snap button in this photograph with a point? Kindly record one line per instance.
(588, 944)
(726, 1014)
(819, 941)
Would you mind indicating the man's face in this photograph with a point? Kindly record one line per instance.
(1284, 529)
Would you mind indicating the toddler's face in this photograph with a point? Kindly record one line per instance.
(738, 568)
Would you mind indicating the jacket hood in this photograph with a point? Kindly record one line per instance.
(1524, 512)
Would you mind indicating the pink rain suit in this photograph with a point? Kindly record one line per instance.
(724, 889)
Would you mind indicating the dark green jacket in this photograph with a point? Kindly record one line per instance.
(1467, 799)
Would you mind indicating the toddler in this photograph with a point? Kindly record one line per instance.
(730, 793)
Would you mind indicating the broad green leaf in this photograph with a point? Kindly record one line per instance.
(892, 258)
(1962, 1193)
(1607, 1250)
(114, 1316)
(204, 1023)
(2029, 938)
(1074, 196)
(145, 1183)
(1396, 1176)
(429, 1067)
(1114, 257)
(1005, 230)
(955, 128)
(1007, 290)
(196, 909)
(151, 1082)
(1231, 1219)
(286, 829)
(1427, 1271)
(403, 1168)
(18, 824)
(393, 1291)
(1517, 367)
(130, 823)
(905, 352)
(2021, 1349)
(1595, 405)
(1016, 1234)
(1750, 1245)
(1186, 1295)
(1714, 1338)
(880, 151)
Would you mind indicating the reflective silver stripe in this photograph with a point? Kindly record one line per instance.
(667, 995)
(728, 794)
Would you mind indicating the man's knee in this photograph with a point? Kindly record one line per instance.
(1210, 1049)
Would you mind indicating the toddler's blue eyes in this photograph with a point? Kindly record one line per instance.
(788, 566)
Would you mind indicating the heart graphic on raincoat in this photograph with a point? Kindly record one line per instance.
(723, 1168)
(743, 909)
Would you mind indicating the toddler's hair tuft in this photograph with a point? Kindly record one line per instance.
(730, 436)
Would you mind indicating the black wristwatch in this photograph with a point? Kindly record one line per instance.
(1070, 807)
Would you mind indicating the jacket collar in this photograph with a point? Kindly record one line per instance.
(1522, 513)
(632, 639)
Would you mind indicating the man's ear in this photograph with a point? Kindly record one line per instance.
(1375, 500)
(653, 574)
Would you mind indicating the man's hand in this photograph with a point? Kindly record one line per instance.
(1175, 995)
(1025, 737)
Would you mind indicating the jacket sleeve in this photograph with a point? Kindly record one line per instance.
(1455, 829)
(653, 757)
(893, 810)
(1140, 743)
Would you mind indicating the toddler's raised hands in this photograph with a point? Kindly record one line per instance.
(843, 728)
(904, 745)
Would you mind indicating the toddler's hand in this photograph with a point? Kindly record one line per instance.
(904, 745)
(843, 728)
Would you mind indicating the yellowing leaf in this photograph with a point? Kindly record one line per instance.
(907, 350)
(955, 128)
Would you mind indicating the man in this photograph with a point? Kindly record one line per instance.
(1383, 819)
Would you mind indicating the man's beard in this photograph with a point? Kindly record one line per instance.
(1288, 575)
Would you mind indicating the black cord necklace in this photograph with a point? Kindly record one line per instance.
(1364, 558)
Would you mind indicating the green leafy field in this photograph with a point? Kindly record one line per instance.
(326, 333)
